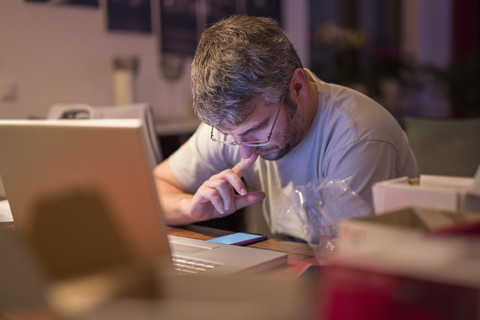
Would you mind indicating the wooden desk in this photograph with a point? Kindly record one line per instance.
(296, 250)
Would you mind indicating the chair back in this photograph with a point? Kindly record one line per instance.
(445, 146)
(133, 111)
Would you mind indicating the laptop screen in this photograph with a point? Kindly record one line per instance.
(79, 174)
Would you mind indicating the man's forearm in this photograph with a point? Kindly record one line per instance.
(175, 203)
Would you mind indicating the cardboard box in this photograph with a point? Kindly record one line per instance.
(435, 192)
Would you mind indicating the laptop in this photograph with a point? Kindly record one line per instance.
(67, 180)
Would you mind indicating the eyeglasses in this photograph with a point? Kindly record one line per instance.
(249, 143)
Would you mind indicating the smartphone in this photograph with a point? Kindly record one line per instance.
(239, 238)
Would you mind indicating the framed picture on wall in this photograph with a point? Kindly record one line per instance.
(84, 3)
(181, 22)
(129, 15)
(178, 27)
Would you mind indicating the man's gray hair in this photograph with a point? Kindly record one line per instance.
(239, 59)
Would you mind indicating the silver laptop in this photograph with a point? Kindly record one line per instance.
(92, 180)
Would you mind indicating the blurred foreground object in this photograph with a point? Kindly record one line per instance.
(415, 279)
(404, 264)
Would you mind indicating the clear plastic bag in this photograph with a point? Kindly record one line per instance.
(320, 205)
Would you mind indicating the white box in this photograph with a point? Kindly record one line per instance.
(398, 226)
(434, 192)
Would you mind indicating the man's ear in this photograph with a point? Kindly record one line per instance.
(298, 84)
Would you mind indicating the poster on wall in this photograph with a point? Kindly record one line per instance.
(178, 26)
(264, 8)
(216, 10)
(129, 15)
(181, 22)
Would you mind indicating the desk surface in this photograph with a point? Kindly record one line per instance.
(295, 250)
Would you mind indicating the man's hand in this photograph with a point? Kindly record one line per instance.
(216, 196)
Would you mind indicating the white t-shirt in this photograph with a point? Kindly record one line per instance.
(351, 136)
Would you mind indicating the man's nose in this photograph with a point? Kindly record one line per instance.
(245, 151)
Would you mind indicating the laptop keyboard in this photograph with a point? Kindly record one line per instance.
(184, 265)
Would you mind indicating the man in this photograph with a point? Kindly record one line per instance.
(270, 125)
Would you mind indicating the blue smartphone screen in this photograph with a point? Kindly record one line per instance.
(239, 238)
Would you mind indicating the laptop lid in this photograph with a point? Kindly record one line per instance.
(98, 167)
(79, 171)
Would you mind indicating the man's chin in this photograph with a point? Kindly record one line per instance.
(272, 155)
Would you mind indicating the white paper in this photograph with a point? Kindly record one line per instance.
(476, 183)
(5, 212)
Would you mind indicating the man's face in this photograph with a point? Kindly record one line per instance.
(286, 131)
